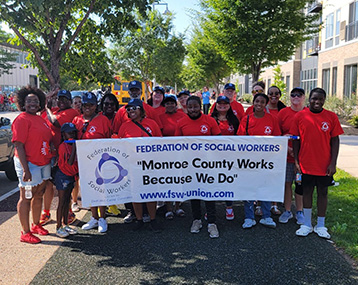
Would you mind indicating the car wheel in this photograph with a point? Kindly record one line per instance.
(10, 171)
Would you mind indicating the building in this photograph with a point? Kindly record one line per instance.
(19, 76)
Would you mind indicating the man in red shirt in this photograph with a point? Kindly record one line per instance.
(316, 155)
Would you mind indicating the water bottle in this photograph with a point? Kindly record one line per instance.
(298, 178)
(28, 191)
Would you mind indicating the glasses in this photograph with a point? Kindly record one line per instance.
(32, 101)
(257, 91)
(132, 108)
(108, 104)
(274, 93)
(293, 95)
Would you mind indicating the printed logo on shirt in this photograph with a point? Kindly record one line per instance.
(92, 129)
(45, 148)
(325, 126)
(235, 113)
(203, 129)
(268, 130)
(148, 130)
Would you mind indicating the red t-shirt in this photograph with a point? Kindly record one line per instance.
(236, 107)
(62, 116)
(315, 131)
(265, 126)
(35, 134)
(64, 152)
(226, 129)
(98, 128)
(110, 120)
(204, 126)
(131, 130)
(122, 117)
(169, 122)
(160, 110)
(285, 119)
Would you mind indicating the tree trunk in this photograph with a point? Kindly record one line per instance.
(256, 69)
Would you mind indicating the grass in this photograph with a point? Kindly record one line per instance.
(342, 213)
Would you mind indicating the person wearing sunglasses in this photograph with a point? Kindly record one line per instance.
(257, 87)
(285, 119)
(275, 105)
(92, 125)
(140, 126)
(109, 106)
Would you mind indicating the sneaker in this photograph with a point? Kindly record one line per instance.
(258, 211)
(138, 225)
(146, 218)
(75, 207)
(129, 218)
(71, 218)
(300, 218)
(62, 233)
(29, 238)
(70, 230)
(304, 231)
(169, 215)
(113, 210)
(154, 226)
(44, 219)
(196, 226)
(286, 215)
(102, 225)
(230, 214)
(180, 213)
(213, 231)
(275, 210)
(268, 222)
(93, 223)
(38, 229)
(248, 223)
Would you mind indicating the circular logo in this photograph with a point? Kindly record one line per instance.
(203, 129)
(100, 175)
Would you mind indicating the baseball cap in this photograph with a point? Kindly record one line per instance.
(223, 98)
(135, 102)
(158, 88)
(184, 92)
(170, 98)
(68, 127)
(135, 84)
(298, 89)
(89, 97)
(64, 93)
(229, 86)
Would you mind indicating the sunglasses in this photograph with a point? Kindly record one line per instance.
(274, 93)
(132, 108)
(108, 104)
(293, 95)
(257, 91)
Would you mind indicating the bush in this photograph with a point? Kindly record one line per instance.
(345, 108)
(247, 98)
(354, 121)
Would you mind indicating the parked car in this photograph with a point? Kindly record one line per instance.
(7, 149)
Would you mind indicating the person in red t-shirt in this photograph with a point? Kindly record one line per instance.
(257, 87)
(32, 139)
(65, 179)
(156, 99)
(198, 124)
(316, 154)
(228, 124)
(182, 98)
(140, 126)
(285, 119)
(109, 106)
(259, 123)
(229, 91)
(91, 125)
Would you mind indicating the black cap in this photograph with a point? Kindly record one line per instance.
(135, 102)
(64, 93)
(223, 98)
(184, 92)
(135, 84)
(298, 89)
(68, 128)
(170, 98)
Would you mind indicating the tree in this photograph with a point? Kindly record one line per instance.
(278, 81)
(7, 58)
(150, 51)
(49, 28)
(252, 34)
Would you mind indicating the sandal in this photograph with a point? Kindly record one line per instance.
(169, 215)
(304, 231)
(322, 232)
(180, 213)
(275, 210)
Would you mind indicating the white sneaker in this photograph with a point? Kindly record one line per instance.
(268, 222)
(102, 225)
(62, 233)
(75, 207)
(248, 223)
(213, 231)
(196, 226)
(93, 223)
(70, 230)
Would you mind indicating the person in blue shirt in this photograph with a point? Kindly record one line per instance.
(206, 100)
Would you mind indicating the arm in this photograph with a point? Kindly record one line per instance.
(52, 118)
(22, 157)
(296, 149)
(334, 155)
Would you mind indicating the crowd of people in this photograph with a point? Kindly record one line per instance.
(45, 135)
(7, 102)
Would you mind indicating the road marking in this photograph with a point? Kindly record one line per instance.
(8, 194)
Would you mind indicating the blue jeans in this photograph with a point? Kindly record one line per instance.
(250, 213)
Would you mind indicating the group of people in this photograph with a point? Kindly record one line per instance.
(7, 102)
(47, 139)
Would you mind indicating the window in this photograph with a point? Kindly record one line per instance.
(352, 27)
(325, 80)
(329, 31)
(334, 81)
(288, 84)
(309, 79)
(338, 26)
(350, 80)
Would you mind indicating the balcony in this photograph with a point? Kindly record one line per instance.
(352, 31)
(315, 7)
(313, 46)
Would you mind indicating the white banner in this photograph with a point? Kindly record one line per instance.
(115, 171)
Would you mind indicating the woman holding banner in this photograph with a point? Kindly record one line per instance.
(140, 126)
(198, 124)
(259, 123)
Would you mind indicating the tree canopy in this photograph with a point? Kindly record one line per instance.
(7, 58)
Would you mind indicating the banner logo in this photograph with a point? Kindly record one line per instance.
(100, 175)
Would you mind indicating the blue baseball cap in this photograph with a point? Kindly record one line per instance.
(64, 93)
(160, 89)
(223, 98)
(135, 102)
(229, 86)
(184, 92)
(170, 98)
(135, 84)
(68, 128)
(89, 97)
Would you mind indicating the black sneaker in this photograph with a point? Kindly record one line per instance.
(155, 227)
(138, 225)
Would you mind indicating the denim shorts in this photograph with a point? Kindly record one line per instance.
(63, 181)
(38, 173)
